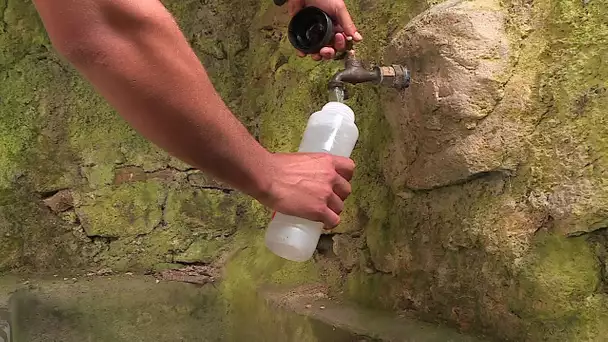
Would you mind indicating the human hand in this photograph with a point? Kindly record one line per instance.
(345, 28)
(310, 185)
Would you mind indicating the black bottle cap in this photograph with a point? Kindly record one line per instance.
(310, 30)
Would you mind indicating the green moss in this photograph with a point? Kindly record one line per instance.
(372, 290)
(31, 238)
(377, 20)
(195, 226)
(32, 89)
(573, 90)
(222, 48)
(21, 31)
(19, 107)
(209, 214)
(592, 320)
(126, 210)
(154, 251)
(202, 251)
(99, 175)
(287, 105)
(557, 286)
(97, 132)
(253, 266)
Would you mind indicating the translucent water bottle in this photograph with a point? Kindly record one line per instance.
(331, 130)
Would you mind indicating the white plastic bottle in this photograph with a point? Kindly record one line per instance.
(331, 130)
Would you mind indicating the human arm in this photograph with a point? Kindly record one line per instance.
(137, 58)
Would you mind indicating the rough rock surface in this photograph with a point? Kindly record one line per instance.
(451, 125)
(493, 217)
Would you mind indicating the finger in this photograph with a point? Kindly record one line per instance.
(327, 53)
(340, 42)
(330, 219)
(300, 53)
(342, 188)
(344, 167)
(346, 21)
(316, 57)
(295, 7)
(335, 203)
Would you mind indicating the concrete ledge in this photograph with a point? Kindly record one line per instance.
(313, 302)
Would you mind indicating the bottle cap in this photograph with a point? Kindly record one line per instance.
(310, 30)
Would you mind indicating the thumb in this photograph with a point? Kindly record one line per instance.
(346, 22)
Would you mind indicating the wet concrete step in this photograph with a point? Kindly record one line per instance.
(313, 302)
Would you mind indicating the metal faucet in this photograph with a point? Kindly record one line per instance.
(395, 76)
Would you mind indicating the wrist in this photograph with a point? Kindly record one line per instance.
(262, 178)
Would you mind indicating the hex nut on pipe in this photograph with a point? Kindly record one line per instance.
(395, 76)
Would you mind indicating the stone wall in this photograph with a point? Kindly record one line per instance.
(79, 186)
(479, 193)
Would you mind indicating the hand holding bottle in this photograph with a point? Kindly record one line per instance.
(310, 185)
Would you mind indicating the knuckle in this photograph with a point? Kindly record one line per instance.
(321, 209)
(329, 174)
(328, 193)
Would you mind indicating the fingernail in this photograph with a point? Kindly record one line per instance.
(358, 36)
(349, 38)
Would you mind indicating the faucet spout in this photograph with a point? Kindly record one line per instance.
(354, 72)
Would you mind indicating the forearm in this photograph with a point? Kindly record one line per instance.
(137, 58)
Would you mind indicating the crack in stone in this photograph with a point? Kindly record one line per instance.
(591, 163)
(370, 264)
(543, 116)
(106, 240)
(244, 48)
(51, 60)
(599, 238)
(3, 18)
(50, 193)
(217, 188)
(163, 212)
(500, 172)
